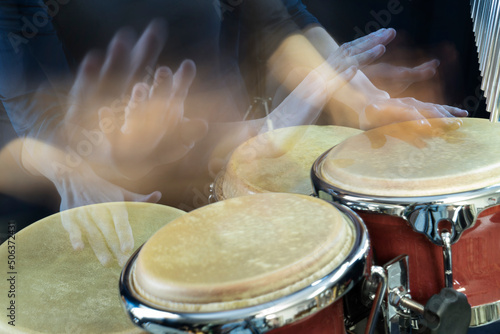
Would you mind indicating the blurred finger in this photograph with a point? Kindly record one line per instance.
(103, 220)
(133, 112)
(94, 236)
(390, 112)
(88, 74)
(160, 96)
(154, 197)
(457, 112)
(182, 80)
(71, 226)
(382, 36)
(122, 227)
(147, 49)
(114, 70)
(162, 85)
(369, 56)
(422, 72)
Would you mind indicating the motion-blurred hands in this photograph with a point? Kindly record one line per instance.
(301, 107)
(361, 52)
(414, 132)
(137, 131)
(386, 111)
(110, 236)
(102, 79)
(154, 130)
(78, 185)
(396, 79)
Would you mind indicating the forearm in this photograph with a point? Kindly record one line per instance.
(15, 181)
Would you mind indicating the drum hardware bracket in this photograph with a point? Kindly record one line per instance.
(379, 277)
(447, 259)
(426, 218)
(446, 312)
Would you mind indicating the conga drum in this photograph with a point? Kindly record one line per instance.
(431, 193)
(50, 288)
(277, 161)
(272, 262)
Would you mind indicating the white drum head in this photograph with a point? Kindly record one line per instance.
(279, 161)
(60, 290)
(242, 252)
(396, 161)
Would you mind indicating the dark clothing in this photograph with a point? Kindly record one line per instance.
(42, 45)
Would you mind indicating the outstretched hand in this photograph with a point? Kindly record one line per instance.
(396, 79)
(386, 111)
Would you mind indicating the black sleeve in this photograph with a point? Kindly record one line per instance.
(32, 65)
(299, 13)
(268, 22)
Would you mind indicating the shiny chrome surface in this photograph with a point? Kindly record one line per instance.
(485, 314)
(422, 213)
(486, 25)
(397, 317)
(379, 276)
(216, 189)
(256, 319)
(447, 260)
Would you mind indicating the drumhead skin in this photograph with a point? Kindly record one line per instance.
(242, 252)
(60, 290)
(279, 161)
(398, 161)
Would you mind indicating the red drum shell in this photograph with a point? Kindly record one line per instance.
(475, 256)
(327, 321)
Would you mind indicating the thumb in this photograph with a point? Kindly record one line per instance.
(154, 197)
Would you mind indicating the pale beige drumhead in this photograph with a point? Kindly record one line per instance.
(59, 290)
(279, 161)
(395, 161)
(242, 252)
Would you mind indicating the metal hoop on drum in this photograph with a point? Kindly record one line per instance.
(415, 223)
(260, 318)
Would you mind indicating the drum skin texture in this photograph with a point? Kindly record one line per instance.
(280, 160)
(243, 252)
(475, 256)
(415, 163)
(60, 290)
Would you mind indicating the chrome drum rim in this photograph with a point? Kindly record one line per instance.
(259, 318)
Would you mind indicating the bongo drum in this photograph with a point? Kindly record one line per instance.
(51, 288)
(430, 193)
(253, 264)
(277, 161)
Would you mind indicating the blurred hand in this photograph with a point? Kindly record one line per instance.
(78, 185)
(108, 233)
(362, 51)
(102, 79)
(154, 130)
(396, 79)
(300, 107)
(415, 132)
(107, 80)
(386, 111)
